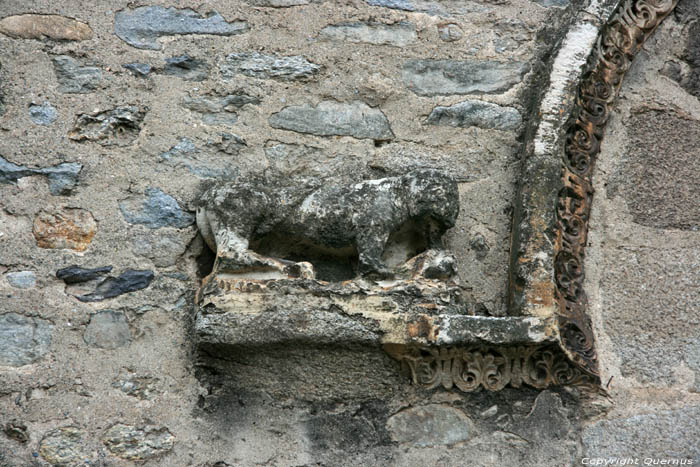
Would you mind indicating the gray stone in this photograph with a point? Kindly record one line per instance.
(662, 434)
(405, 5)
(163, 248)
(62, 178)
(553, 3)
(44, 114)
(142, 26)
(64, 446)
(430, 425)
(185, 154)
(230, 143)
(546, 421)
(476, 113)
(75, 274)
(449, 32)
(21, 279)
(74, 78)
(129, 281)
(430, 77)
(257, 65)
(108, 330)
(219, 109)
(116, 127)
(441, 8)
(334, 118)
(132, 443)
(399, 34)
(140, 387)
(139, 69)
(23, 340)
(279, 3)
(653, 185)
(156, 210)
(187, 68)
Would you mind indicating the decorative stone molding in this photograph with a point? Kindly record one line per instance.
(547, 263)
(493, 368)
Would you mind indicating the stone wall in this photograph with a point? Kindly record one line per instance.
(113, 115)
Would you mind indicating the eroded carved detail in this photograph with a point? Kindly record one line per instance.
(493, 368)
(619, 42)
(361, 217)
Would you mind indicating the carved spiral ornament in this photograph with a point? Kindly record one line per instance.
(617, 45)
(471, 369)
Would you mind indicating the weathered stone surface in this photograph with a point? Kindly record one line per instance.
(108, 330)
(187, 68)
(230, 144)
(62, 177)
(655, 187)
(476, 113)
(261, 66)
(64, 446)
(75, 274)
(399, 34)
(16, 430)
(203, 164)
(142, 26)
(546, 421)
(654, 328)
(116, 127)
(449, 32)
(130, 442)
(73, 78)
(139, 69)
(53, 27)
(430, 425)
(154, 211)
(44, 114)
(163, 248)
(446, 77)
(395, 4)
(21, 279)
(71, 228)
(663, 434)
(553, 3)
(140, 387)
(219, 109)
(334, 118)
(363, 215)
(23, 340)
(129, 281)
(279, 3)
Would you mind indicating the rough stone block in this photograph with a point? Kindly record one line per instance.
(334, 118)
(428, 77)
(23, 340)
(142, 26)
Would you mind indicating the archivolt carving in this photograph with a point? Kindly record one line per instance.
(493, 368)
(619, 42)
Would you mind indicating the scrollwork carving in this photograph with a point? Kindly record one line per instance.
(491, 368)
(619, 42)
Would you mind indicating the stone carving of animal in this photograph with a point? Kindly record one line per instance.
(231, 215)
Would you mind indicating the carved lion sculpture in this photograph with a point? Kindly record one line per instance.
(231, 215)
